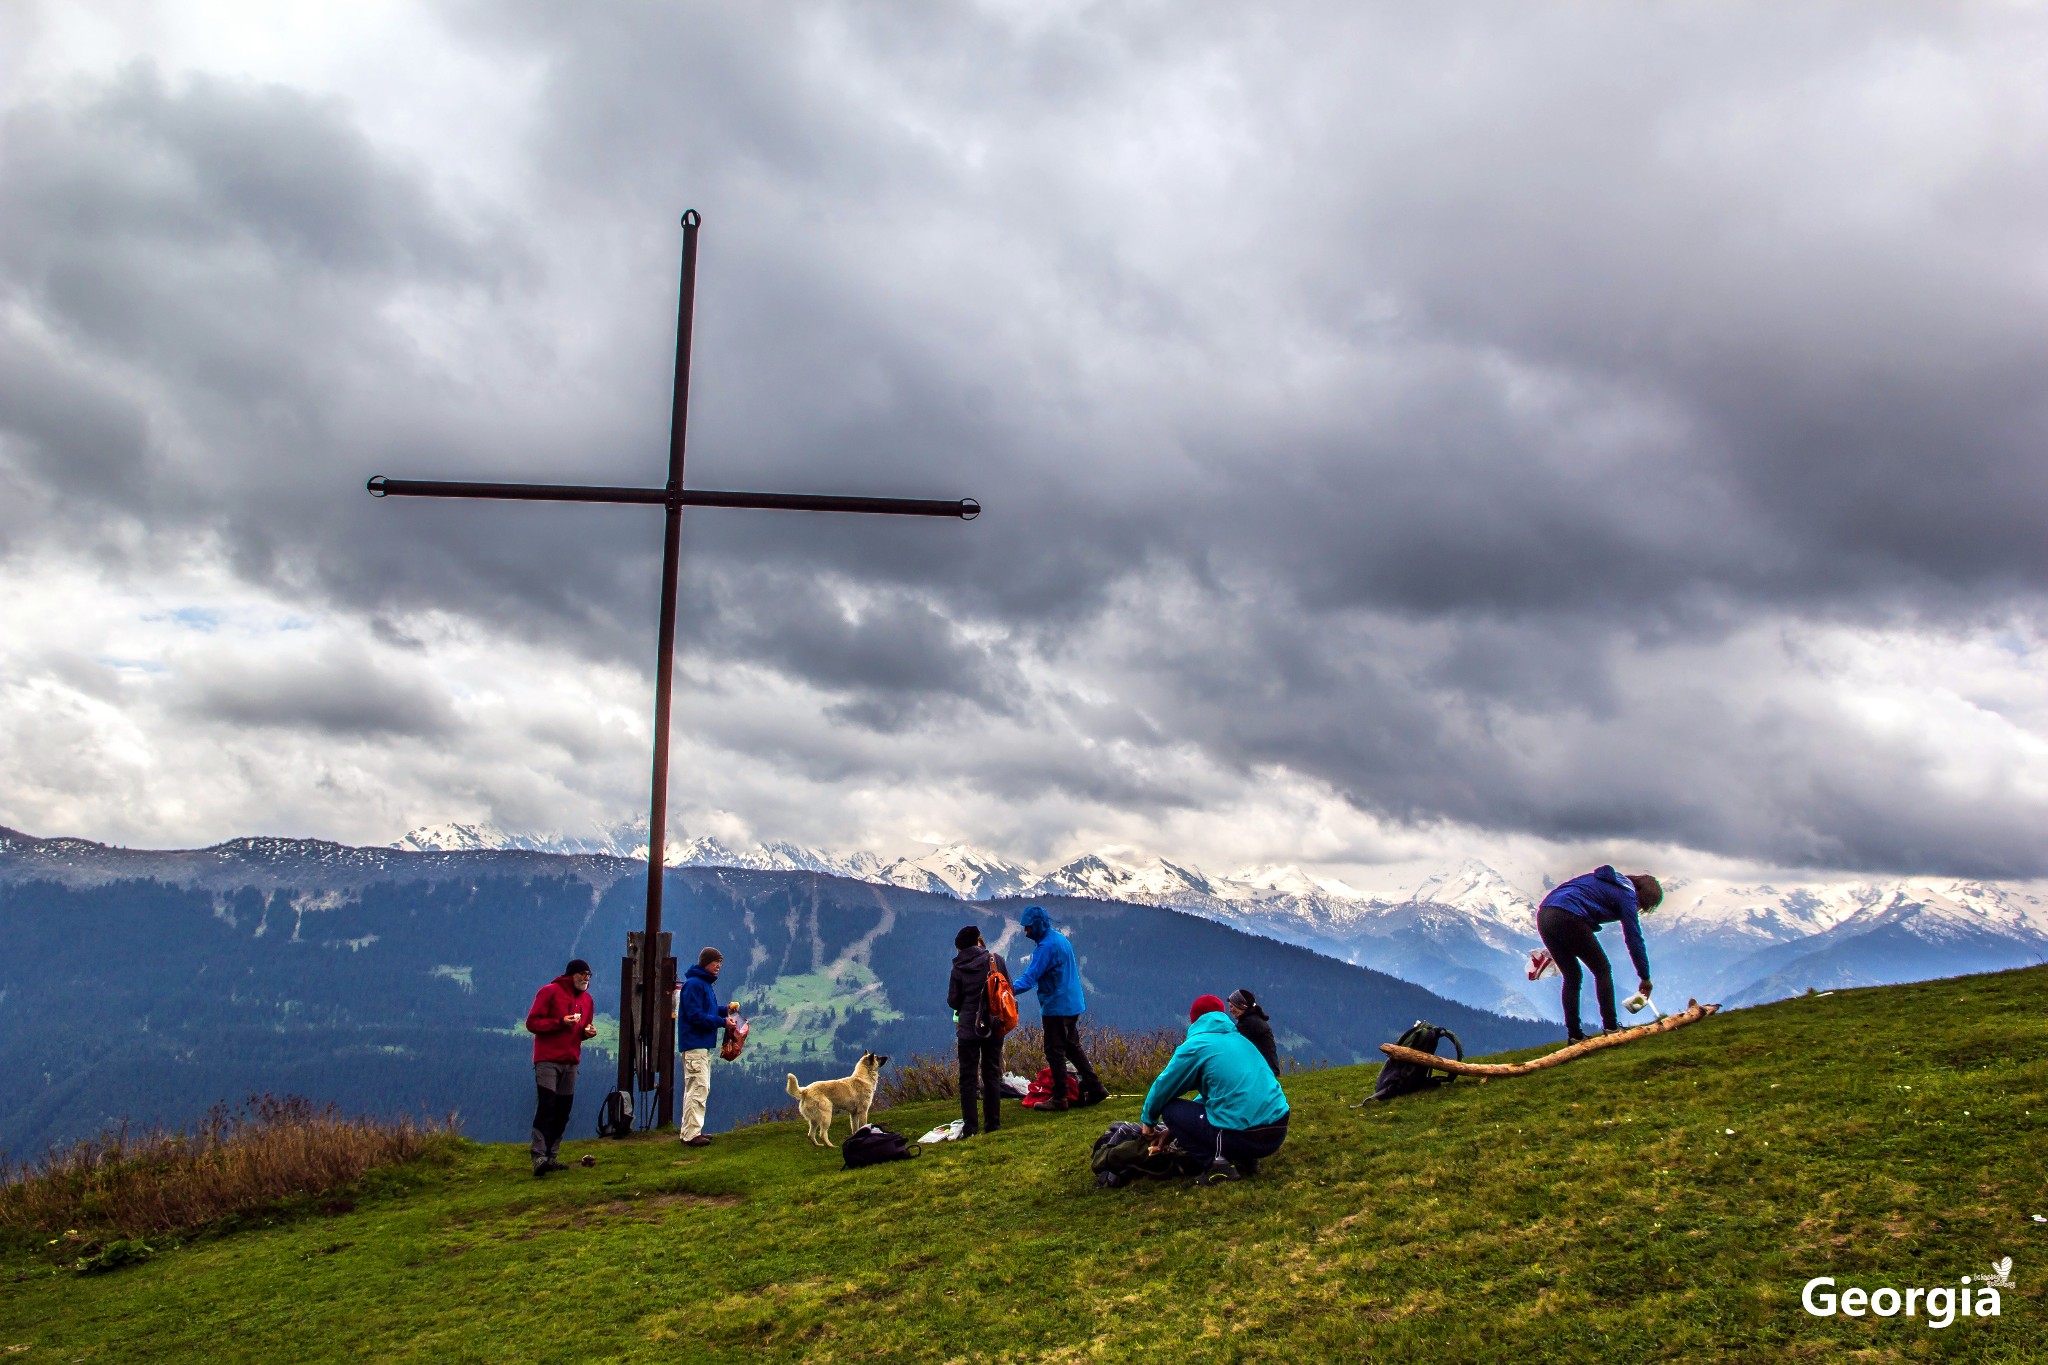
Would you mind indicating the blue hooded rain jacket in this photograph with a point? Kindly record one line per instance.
(1604, 896)
(1054, 973)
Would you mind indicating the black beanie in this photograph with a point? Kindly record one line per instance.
(576, 964)
(966, 937)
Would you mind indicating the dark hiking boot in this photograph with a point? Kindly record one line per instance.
(540, 1168)
(550, 1166)
(1219, 1171)
(701, 1140)
(1092, 1097)
(1247, 1166)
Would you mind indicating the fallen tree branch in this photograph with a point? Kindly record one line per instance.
(1693, 1012)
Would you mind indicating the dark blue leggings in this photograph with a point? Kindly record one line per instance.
(1190, 1126)
(1571, 941)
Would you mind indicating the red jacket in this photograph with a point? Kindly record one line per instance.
(553, 1039)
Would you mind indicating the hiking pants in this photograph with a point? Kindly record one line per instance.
(554, 1085)
(981, 1069)
(1571, 941)
(696, 1091)
(1062, 1045)
(1190, 1126)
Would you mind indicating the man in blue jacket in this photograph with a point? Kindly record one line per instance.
(1569, 918)
(1241, 1116)
(698, 1020)
(1056, 976)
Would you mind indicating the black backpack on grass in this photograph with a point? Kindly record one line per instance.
(1400, 1077)
(615, 1115)
(874, 1144)
(1124, 1154)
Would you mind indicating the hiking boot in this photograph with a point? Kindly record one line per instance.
(1218, 1172)
(1092, 1097)
(1247, 1166)
(701, 1140)
(551, 1165)
(1054, 1107)
(540, 1168)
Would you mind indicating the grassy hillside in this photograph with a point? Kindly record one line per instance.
(1660, 1202)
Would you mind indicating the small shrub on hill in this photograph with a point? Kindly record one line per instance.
(268, 1152)
(1125, 1060)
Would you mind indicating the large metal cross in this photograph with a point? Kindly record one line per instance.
(648, 975)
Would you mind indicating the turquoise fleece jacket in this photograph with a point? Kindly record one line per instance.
(1237, 1088)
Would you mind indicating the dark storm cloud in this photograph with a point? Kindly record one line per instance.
(1369, 392)
(337, 691)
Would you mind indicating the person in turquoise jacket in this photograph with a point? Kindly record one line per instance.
(1240, 1116)
(1056, 976)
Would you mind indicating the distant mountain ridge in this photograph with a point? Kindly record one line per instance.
(1466, 932)
(148, 984)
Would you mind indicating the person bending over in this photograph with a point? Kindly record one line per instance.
(561, 1018)
(1572, 914)
(1240, 1118)
(1056, 976)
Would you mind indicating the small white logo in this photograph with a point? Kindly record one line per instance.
(2000, 1276)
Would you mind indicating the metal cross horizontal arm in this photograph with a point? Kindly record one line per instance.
(966, 509)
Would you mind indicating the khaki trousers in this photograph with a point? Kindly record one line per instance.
(696, 1090)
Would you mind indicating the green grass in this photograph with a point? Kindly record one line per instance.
(1598, 1211)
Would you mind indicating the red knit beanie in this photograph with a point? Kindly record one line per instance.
(1206, 1004)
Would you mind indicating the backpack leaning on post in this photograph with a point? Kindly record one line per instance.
(615, 1115)
(1400, 1077)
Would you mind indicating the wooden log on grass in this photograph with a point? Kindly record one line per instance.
(1693, 1012)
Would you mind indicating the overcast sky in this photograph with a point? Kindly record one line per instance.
(1552, 431)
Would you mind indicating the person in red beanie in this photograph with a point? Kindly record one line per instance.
(1239, 1117)
(563, 1015)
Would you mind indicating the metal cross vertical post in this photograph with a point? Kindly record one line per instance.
(646, 1047)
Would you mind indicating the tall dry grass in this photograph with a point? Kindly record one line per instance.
(1124, 1060)
(268, 1152)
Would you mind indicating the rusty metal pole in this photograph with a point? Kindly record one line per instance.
(649, 1024)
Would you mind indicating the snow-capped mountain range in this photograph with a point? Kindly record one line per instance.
(1464, 932)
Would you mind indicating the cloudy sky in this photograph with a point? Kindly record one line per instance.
(1553, 432)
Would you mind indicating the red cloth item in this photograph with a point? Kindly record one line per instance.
(735, 1038)
(1040, 1093)
(1206, 1004)
(554, 1039)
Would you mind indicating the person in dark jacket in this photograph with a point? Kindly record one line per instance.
(562, 1016)
(1056, 976)
(1241, 1117)
(698, 1020)
(1254, 1025)
(980, 1040)
(1572, 914)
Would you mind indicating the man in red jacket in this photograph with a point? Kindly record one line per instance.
(561, 1018)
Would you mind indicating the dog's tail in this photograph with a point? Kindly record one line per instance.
(791, 1088)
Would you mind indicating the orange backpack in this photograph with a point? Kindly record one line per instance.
(1000, 1000)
